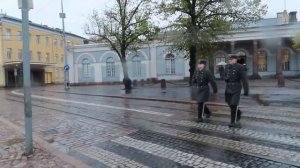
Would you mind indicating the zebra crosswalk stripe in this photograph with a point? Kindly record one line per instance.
(108, 158)
(183, 158)
(284, 139)
(276, 154)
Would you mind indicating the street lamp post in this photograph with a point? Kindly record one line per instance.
(62, 15)
(26, 5)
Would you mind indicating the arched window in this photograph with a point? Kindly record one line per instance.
(262, 61)
(110, 67)
(137, 66)
(285, 55)
(86, 66)
(170, 64)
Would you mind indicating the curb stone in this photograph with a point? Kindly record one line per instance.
(146, 99)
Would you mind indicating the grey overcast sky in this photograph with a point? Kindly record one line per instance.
(77, 11)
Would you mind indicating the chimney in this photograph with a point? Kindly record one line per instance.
(86, 41)
(293, 17)
(282, 17)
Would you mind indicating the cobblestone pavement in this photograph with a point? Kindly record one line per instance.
(106, 132)
(12, 149)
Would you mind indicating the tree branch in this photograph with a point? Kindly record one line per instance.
(133, 13)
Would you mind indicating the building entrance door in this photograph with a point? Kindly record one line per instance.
(48, 77)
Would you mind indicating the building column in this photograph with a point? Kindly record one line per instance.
(98, 72)
(152, 62)
(232, 46)
(279, 74)
(2, 76)
(255, 74)
(76, 78)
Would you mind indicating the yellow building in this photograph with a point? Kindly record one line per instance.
(46, 52)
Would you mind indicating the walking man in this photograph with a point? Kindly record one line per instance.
(235, 76)
(222, 72)
(201, 78)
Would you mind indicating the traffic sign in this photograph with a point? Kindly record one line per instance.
(66, 67)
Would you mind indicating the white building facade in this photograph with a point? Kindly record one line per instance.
(265, 47)
(97, 63)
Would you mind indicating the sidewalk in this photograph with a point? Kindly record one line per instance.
(12, 150)
(263, 91)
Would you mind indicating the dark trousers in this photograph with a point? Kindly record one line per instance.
(235, 114)
(202, 108)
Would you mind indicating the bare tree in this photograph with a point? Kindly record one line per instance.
(125, 27)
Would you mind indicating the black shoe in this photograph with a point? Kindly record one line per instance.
(235, 125)
(208, 115)
(200, 120)
(239, 115)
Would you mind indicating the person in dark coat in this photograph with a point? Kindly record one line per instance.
(235, 76)
(222, 72)
(242, 62)
(201, 78)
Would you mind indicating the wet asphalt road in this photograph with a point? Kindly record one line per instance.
(112, 132)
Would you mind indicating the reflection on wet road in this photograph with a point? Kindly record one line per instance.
(111, 132)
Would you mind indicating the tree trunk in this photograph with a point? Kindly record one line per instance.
(211, 65)
(192, 63)
(255, 74)
(126, 80)
(279, 74)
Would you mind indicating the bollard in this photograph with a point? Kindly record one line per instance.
(280, 80)
(142, 82)
(135, 83)
(163, 84)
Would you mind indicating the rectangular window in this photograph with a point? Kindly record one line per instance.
(47, 41)
(8, 34)
(61, 43)
(286, 66)
(30, 55)
(55, 42)
(86, 70)
(56, 73)
(61, 73)
(285, 54)
(39, 55)
(9, 53)
(20, 54)
(38, 39)
(55, 58)
(110, 69)
(137, 67)
(47, 57)
(170, 66)
(262, 61)
(19, 35)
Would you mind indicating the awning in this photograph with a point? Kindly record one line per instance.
(33, 65)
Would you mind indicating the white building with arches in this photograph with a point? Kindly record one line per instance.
(265, 47)
(97, 63)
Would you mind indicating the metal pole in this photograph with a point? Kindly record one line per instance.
(66, 72)
(16, 82)
(26, 78)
